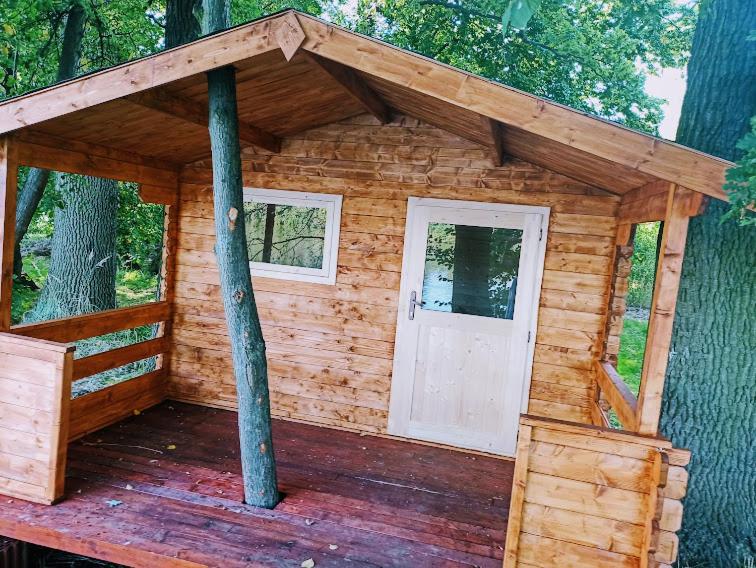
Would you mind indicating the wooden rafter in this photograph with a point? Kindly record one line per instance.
(196, 112)
(495, 134)
(355, 86)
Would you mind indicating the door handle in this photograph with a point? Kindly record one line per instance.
(413, 303)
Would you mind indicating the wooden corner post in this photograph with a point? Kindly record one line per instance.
(8, 188)
(681, 204)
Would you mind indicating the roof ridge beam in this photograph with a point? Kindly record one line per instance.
(354, 85)
(189, 110)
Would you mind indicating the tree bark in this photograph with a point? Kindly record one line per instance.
(181, 22)
(708, 403)
(34, 186)
(245, 333)
(82, 271)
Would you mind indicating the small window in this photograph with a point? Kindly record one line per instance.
(292, 235)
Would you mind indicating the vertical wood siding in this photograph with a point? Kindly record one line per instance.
(330, 348)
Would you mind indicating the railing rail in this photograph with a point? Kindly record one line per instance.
(66, 330)
(612, 389)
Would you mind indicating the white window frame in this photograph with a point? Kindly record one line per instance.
(332, 204)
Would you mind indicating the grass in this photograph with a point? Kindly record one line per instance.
(632, 348)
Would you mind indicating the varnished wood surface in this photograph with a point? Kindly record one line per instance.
(380, 502)
(330, 348)
(587, 496)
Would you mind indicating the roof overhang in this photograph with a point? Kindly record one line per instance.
(339, 73)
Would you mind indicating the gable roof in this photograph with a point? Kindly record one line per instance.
(295, 72)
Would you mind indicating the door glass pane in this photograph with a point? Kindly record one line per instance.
(471, 270)
(285, 234)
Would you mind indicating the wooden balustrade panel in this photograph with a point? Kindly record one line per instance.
(35, 391)
(589, 496)
(330, 348)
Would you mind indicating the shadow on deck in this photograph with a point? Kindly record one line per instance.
(350, 500)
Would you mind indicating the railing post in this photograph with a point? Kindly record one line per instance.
(8, 190)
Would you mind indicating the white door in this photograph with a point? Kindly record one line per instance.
(471, 279)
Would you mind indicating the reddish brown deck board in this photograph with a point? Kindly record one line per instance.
(381, 502)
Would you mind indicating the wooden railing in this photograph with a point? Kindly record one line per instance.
(612, 390)
(103, 407)
(35, 396)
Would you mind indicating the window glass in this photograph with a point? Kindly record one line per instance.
(471, 270)
(292, 235)
(285, 234)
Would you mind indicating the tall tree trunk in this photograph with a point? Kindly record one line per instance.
(34, 186)
(708, 404)
(83, 259)
(181, 22)
(245, 333)
(472, 259)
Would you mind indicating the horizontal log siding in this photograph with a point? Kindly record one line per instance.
(330, 348)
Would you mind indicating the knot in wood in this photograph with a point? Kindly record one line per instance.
(239, 296)
(233, 214)
(263, 448)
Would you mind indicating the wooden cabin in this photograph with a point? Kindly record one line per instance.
(414, 424)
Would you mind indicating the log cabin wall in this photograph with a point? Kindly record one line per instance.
(330, 348)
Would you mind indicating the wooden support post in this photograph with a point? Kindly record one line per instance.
(8, 189)
(168, 274)
(495, 133)
(668, 269)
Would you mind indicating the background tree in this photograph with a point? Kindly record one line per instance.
(588, 54)
(708, 402)
(245, 333)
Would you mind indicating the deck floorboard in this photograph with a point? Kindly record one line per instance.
(380, 502)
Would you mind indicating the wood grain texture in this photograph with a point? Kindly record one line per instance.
(8, 194)
(330, 347)
(35, 393)
(591, 497)
(381, 502)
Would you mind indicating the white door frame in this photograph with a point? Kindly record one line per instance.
(401, 387)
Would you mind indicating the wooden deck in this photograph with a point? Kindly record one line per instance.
(350, 500)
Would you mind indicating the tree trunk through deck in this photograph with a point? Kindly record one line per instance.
(472, 253)
(708, 404)
(36, 180)
(245, 333)
(83, 259)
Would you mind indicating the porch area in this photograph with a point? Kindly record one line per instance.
(163, 488)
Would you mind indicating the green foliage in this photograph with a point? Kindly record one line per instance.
(589, 54)
(643, 268)
(140, 231)
(632, 350)
(741, 181)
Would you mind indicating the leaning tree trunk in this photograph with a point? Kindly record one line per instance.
(34, 186)
(82, 271)
(708, 404)
(245, 333)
